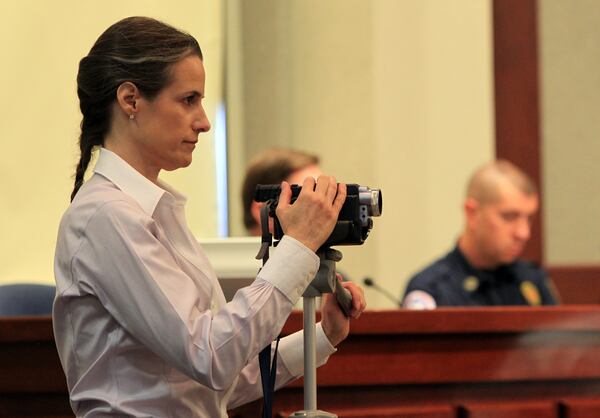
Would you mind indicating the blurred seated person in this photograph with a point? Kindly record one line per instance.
(484, 268)
(272, 167)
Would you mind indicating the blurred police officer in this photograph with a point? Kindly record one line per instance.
(484, 268)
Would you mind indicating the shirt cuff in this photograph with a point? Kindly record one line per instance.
(291, 350)
(290, 268)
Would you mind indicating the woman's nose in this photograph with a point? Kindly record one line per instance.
(201, 124)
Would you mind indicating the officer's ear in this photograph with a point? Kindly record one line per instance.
(471, 208)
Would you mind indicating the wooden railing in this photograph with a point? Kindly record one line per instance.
(489, 362)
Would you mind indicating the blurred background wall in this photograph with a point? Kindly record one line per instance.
(42, 43)
(569, 36)
(392, 94)
(396, 95)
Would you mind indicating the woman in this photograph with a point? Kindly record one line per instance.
(140, 321)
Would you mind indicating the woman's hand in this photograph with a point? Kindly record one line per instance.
(335, 324)
(312, 217)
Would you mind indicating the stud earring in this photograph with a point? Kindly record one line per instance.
(131, 117)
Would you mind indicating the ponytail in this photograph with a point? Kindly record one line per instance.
(94, 127)
(84, 160)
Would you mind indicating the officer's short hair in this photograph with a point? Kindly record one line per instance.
(484, 183)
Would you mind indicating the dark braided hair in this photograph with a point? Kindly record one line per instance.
(140, 50)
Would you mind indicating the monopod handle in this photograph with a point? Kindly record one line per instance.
(343, 297)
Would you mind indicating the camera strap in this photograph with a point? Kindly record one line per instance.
(268, 370)
(267, 237)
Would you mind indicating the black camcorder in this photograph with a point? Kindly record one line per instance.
(354, 220)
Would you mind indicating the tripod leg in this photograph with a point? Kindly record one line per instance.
(310, 361)
(310, 364)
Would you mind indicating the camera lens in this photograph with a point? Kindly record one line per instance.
(371, 198)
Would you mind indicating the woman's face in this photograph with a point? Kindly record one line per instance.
(170, 123)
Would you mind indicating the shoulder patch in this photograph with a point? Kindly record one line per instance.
(531, 293)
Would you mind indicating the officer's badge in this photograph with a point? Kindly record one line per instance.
(471, 283)
(531, 293)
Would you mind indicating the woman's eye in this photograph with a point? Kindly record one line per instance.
(190, 100)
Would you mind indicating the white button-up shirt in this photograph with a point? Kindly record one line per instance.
(140, 321)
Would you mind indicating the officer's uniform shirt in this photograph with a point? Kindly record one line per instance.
(452, 281)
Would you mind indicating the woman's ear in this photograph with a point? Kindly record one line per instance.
(127, 98)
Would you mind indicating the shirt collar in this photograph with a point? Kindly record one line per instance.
(460, 259)
(131, 182)
(484, 275)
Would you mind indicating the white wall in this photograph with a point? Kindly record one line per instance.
(392, 94)
(42, 43)
(570, 118)
(433, 124)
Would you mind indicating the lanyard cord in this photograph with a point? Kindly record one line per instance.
(268, 374)
(268, 370)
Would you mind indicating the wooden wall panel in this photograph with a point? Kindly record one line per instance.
(577, 284)
(395, 361)
(518, 132)
(516, 91)
(389, 412)
(510, 410)
(580, 408)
